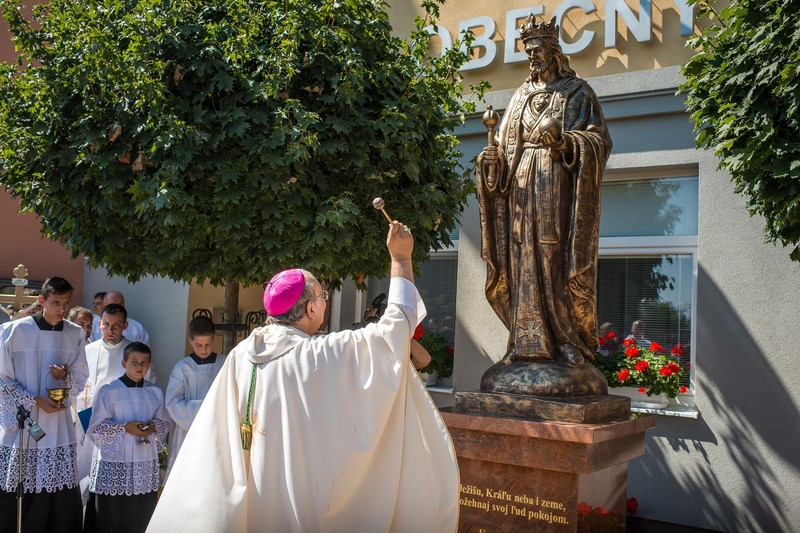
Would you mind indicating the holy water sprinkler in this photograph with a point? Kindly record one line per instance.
(378, 203)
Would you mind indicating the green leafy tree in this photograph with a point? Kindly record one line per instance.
(224, 140)
(743, 90)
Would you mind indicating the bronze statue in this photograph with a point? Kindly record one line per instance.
(539, 196)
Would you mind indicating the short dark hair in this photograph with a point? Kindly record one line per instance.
(101, 295)
(56, 285)
(113, 309)
(200, 325)
(136, 347)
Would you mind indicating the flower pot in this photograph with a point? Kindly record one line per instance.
(429, 378)
(657, 401)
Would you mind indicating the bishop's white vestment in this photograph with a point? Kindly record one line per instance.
(345, 437)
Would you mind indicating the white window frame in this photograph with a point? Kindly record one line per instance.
(611, 247)
(642, 246)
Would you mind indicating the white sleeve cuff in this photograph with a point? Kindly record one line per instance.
(404, 294)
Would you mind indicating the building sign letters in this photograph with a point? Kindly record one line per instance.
(485, 28)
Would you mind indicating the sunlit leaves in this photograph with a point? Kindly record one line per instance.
(229, 139)
(743, 93)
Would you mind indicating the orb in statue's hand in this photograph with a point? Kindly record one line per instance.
(551, 126)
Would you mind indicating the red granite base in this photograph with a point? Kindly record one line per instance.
(521, 475)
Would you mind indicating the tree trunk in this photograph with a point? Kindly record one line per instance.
(230, 315)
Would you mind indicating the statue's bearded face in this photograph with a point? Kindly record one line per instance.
(539, 55)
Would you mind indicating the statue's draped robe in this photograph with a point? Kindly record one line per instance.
(540, 217)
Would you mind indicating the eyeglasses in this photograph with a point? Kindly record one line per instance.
(324, 295)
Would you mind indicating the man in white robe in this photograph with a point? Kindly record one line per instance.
(344, 435)
(134, 331)
(38, 353)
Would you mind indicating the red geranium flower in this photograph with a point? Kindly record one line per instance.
(601, 341)
(584, 509)
(642, 390)
(655, 347)
(683, 389)
(600, 510)
(623, 374)
(631, 351)
(642, 365)
(674, 367)
(632, 505)
(611, 335)
(449, 348)
(628, 342)
(665, 371)
(677, 350)
(419, 332)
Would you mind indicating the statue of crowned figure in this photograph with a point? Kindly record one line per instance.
(539, 195)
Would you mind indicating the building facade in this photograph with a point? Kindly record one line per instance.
(678, 251)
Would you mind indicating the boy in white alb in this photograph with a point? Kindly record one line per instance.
(190, 380)
(104, 358)
(38, 353)
(129, 427)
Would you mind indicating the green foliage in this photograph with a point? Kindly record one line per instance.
(743, 90)
(226, 140)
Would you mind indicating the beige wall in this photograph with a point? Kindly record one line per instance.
(665, 47)
(206, 296)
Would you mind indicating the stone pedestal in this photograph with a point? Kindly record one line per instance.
(523, 475)
(584, 410)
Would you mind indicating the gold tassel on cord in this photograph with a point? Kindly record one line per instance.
(247, 435)
(246, 430)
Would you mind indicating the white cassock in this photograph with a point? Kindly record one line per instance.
(26, 353)
(105, 365)
(135, 331)
(188, 385)
(345, 437)
(123, 465)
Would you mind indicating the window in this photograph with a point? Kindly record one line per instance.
(646, 269)
(437, 286)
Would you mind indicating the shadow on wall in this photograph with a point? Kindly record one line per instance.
(728, 471)
(468, 370)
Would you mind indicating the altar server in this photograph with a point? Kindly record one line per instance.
(190, 380)
(134, 330)
(40, 353)
(129, 426)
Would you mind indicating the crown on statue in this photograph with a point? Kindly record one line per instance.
(539, 30)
